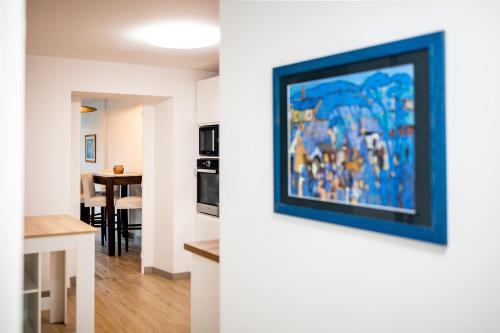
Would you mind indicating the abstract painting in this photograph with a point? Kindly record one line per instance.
(90, 148)
(352, 139)
(359, 139)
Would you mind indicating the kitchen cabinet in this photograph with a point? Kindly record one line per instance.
(204, 286)
(207, 101)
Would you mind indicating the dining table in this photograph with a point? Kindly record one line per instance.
(110, 179)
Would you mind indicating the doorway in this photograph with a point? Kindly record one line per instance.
(135, 129)
(111, 135)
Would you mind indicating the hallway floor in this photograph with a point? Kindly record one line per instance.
(127, 301)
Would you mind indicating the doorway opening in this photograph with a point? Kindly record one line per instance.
(111, 150)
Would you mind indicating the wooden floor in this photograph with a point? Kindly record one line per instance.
(127, 301)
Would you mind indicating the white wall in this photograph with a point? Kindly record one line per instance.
(163, 196)
(117, 124)
(94, 123)
(285, 274)
(124, 133)
(53, 136)
(124, 128)
(12, 37)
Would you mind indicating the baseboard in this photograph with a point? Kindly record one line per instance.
(167, 275)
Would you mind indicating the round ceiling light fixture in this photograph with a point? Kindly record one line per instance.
(179, 35)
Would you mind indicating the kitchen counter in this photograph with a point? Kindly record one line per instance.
(204, 286)
(208, 249)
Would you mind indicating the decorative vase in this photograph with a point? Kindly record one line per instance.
(118, 169)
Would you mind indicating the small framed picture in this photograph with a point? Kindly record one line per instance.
(359, 139)
(90, 146)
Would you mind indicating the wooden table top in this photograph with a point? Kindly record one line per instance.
(111, 174)
(54, 225)
(208, 249)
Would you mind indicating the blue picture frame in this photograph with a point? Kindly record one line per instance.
(434, 226)
(90, 148)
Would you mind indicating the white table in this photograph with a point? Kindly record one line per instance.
(57, 234)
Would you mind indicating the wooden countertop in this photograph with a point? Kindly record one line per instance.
(208, 249)
(54, 225)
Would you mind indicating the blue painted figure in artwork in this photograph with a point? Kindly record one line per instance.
(351, 139)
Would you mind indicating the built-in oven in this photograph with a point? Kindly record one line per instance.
(209, 140)
(207, 173)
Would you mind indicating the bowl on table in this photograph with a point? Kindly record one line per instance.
(118, 169)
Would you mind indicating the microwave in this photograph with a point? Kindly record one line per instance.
(209, 140)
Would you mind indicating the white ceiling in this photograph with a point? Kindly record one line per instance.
(100, 30)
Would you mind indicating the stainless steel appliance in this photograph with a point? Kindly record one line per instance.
(209, 140)
(207, 173)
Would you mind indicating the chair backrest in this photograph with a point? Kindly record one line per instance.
(135, 190)
(88, 186)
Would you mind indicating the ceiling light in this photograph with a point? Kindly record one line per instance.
(180, 35)
(87, 109)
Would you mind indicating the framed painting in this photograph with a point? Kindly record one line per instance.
(359, 139)
(90, 148)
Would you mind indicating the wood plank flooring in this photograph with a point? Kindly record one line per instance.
(127, 301)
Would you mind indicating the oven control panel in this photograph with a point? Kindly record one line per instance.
(207, 163)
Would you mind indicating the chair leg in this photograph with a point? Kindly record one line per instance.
(125, 229)
(82, 211)
(119, 233)
(103, 226)
(104, 219)
(86, 214)
(92, 216)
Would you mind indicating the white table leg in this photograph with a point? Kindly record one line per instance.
(58, 287)
(85, 284)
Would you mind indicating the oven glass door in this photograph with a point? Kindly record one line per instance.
(208, 188)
